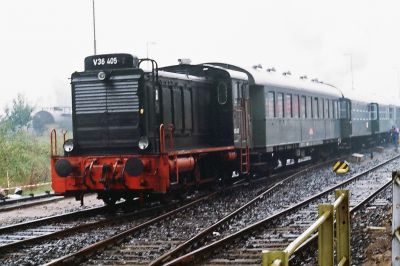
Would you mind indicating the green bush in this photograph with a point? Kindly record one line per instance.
(26, 157)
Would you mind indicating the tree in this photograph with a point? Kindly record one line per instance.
(19, 115)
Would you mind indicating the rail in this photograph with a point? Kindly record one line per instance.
(324, 225)
(396, 219)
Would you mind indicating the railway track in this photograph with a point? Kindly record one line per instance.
(94, 223)
(46, 239)
(160, 243)
(39, 230)
(13, 233)
(27, 202)
(159, 239)
(244, 246)
(372, 211)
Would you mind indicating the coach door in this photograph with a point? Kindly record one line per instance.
(345, 117)
(241, 118)
(374, 117)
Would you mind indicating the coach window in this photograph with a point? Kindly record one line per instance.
(346, 112)
(308, 107)
(338, 111)
(326, 108)
(279, 105)
(309, 111)
(334, 109)
(315, 107)
(245, 91)
(391, 112)
(321, 108)
(288, 105)
(295, 106)
(271, 104)
(303, 107)
(222, 93)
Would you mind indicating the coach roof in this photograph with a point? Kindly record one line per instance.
(273, 79)
(262, 77)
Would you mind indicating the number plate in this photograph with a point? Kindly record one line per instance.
(110, 61)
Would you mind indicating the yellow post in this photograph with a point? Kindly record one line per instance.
(343, 228)
(325, 236)
(275, 258)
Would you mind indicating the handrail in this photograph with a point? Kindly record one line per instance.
(324, 224)
(162, 137)
(397, 234)
(306, 234)
(64, 132)
(310, 230)
(53, 149)
(154, 68)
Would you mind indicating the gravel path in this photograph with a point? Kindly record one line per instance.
(53, 208)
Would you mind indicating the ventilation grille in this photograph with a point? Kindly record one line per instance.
(117, 95)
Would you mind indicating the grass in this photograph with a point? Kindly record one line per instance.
(25, 158)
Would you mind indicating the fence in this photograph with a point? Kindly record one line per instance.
(23, 186)
(396, 219)
(325, 226)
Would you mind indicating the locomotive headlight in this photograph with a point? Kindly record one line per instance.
(102, 75)
(68, 145)
(143, 143)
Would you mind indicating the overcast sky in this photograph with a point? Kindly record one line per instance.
(42, 42)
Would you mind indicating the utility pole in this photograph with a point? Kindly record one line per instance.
(351, 69)
(94, 30)
(147, 48)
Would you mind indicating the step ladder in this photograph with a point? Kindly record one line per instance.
(244, 147)
(245, 160)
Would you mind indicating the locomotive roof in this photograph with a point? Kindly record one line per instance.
(169, 74)
(198, 72)
(233, 73)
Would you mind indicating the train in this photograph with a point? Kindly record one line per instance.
(147, 133)
(49, 116)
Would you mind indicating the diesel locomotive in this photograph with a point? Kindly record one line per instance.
(140, 133)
